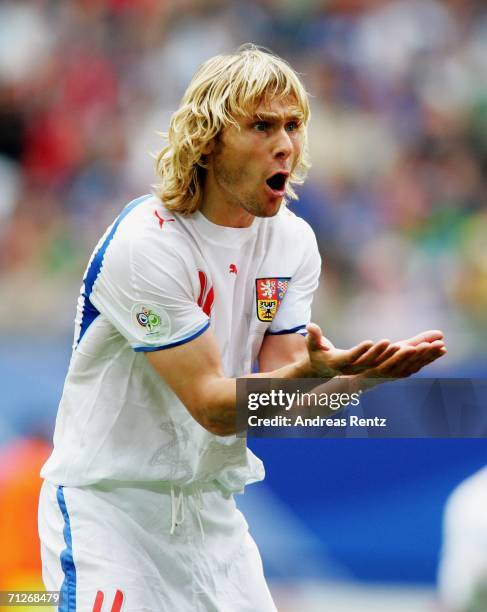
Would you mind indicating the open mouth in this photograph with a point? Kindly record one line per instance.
(277, 182)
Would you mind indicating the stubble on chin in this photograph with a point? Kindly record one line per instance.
(233, 183)
(260, 209)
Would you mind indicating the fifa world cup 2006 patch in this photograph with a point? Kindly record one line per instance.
(269, 293)
(151, 320)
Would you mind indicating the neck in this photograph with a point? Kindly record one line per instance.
(219, 209)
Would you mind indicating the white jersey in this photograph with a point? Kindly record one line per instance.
(157, 280)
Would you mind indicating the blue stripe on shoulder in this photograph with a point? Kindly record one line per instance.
(68, 588)
(89, 311)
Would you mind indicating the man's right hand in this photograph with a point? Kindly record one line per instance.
(327, 361)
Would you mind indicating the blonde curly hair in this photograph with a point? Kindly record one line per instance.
(225, 87)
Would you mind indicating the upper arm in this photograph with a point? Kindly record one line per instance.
(148, 292)
(279, 350)
(284, 341)
(294, 311)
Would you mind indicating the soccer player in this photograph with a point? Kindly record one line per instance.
(189, 289)
(462, 576)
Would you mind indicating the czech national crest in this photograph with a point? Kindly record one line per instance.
(269, 295)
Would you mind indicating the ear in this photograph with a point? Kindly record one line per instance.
(208, 148)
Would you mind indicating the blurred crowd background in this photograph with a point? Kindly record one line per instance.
(396, 194)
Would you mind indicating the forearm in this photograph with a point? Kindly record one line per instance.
(301, 368)
(195, 373)
(218, 410)
(220, 414)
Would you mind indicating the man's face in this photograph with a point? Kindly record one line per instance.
(249, 167)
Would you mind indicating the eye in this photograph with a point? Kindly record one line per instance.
(292, 126)
(261, 126)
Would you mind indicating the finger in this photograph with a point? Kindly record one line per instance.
(357, 351)
(425, 354)
(315, 338)
(427, 336)
(409, 366)
(410, 360)
(431, 356)
(389, 352)
(391, 366)
(374, 354)
(430, 360)
(425, 347)
(435, 349)
(437, 344)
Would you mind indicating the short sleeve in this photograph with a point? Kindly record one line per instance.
(146, 291)
(294, 312)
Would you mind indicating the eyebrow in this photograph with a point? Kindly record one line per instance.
(293, 115)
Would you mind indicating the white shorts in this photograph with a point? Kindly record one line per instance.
(112, 548)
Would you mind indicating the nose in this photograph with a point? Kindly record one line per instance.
(282, 146)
